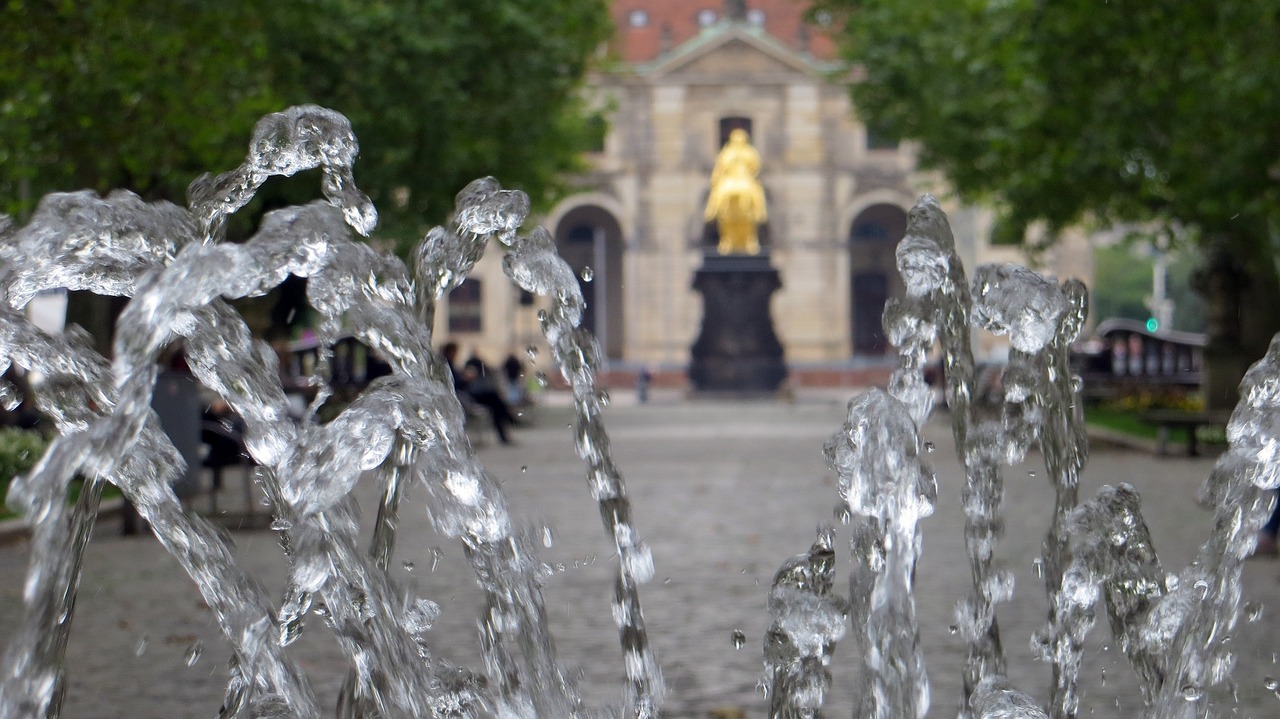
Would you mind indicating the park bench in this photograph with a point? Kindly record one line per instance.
(224, 449)
(1188, 421)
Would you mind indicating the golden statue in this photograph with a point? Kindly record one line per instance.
(736, 201)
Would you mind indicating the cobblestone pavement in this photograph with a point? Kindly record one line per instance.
(723, 493)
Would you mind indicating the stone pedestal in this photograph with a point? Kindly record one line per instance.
(737, 352)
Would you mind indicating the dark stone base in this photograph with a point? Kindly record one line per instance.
(737, 352)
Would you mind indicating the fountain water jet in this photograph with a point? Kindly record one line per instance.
(409, 431)
(307, 470)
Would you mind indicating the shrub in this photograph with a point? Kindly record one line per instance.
(20, 449)
(1143, 400)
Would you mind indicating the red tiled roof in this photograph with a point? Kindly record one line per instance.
(672, 22)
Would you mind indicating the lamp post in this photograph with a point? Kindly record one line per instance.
(1159, 303)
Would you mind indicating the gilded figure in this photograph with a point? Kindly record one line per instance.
(736, 201)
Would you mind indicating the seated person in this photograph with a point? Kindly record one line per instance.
(476, 381)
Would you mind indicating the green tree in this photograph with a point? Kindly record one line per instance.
(1122, 284)
(136, 94)
(148, 94)
(1149, 112)
(1188, 306)
(440, 92)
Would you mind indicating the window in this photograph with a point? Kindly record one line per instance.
(638, 18)
(870, 231)
(870, 293)
(706, 18)
(465, 306)
(879, 138)
(879, 223)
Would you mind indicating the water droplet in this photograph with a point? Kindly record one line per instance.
(1271, 684)
(1038, 565)
(930, 447)
(524, 468)
(542, 316)
(408, 566)
(954, 629)
(1031, 473)
(142, 647)
(1192, 693)
(739, 638)
(588, 274)
(667, 580)
(548, 538)
(281, 524)
(541, 379)
(321, 610)
(604, 398)
(436, 554)
(193, 653)
(842, 513)
(1252, 611)
(1104, 675)
(531, 352)
(1202, 587)
(1077, 383)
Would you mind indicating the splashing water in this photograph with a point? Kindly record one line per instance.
(1175, 631)
(406, 430)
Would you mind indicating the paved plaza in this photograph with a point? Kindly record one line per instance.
(723, 492)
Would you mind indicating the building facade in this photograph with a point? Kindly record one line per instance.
(684, 74)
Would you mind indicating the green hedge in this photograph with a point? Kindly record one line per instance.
(20, 449)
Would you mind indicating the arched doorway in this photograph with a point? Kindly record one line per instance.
(590, 237)
(873, 238)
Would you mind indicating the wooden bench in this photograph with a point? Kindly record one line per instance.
(1166, 419)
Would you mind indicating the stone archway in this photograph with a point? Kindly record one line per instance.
(873, 238)
(589, 236)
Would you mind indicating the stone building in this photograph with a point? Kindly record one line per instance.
(684, 73)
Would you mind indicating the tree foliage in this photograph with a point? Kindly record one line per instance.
(140, 94)
(441, 91)
(147, 94)
(1108, 112)
(1123, 285)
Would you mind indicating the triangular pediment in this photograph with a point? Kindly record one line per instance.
(733, 51)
